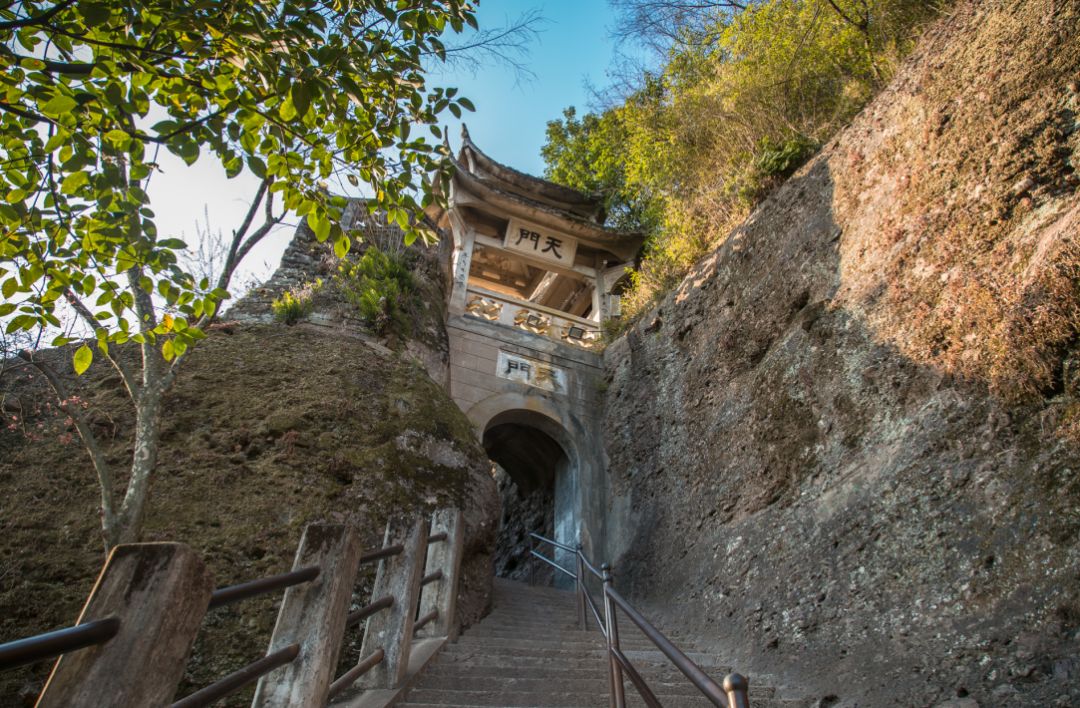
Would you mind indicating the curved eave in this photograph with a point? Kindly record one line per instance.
(622, 245)
(585, 205)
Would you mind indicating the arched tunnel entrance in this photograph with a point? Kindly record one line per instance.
(537, 483)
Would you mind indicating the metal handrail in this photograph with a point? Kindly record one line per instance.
(254, 588)
(349, 677)
(383, 603)
(238, 679)
(381, 553)
(733, 693)
(635, 678)
(553, 564)
(595, 612)
(709, 688)
(563, 546)
(57, 642)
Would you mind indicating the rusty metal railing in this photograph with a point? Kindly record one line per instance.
(52, 644)
(416, 582)
(734, 693)
(254, 671)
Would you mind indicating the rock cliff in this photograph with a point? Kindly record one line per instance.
(847, 445)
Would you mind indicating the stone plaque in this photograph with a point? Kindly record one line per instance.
(532, 372)
(540, 243)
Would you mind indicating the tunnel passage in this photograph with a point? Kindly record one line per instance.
(536, 482)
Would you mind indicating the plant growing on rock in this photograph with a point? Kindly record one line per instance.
(294, 305)
(292, 92)
(380, 286)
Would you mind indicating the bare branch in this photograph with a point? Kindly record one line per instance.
(82, 426)
(507, 46)
(238, 236)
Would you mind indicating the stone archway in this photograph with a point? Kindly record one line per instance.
(540, 485)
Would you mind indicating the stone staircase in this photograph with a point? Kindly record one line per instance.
(529, 652)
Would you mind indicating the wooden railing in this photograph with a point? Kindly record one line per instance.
(131, 644)
(529, 317)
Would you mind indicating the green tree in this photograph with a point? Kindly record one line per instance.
(746, 93)
(587, 154)
(294, 92)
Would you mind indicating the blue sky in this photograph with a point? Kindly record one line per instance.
(572, 48)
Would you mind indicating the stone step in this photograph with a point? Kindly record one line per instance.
(504, 682)
(580, 670)
(559, 699)
(584, 642)
(598, 653)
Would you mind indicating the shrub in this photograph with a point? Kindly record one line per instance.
(381, 288)
(294, 305)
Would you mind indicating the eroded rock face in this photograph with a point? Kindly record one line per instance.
(523, 513)
(798, 469)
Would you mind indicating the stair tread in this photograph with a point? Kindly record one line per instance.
(529, 651)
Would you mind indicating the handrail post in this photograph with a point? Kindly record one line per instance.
(160, 592)
(618, 697)
(441, 596)
(737, 688)
(398, 577)
(312, 615)
(580, 585)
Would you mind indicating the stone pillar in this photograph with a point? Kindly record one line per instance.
(398, 577)
(313, 616)
(444, 556)
(464, 242)
(160, 592)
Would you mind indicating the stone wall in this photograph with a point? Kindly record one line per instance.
(795, 479)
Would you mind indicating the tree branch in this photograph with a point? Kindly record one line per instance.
(238, 235)
(93, 446)
(861, 26)
(37, 19)
(121, 367)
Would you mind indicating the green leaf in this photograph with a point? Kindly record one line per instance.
(94, 13)
(257, 166)
(301, 98)
(341, 246)
(81, 361)
(59, 105)
(73, 182)
(167, 350)
(9, 287)
(7, 308)
(319, 224)
(287, 110)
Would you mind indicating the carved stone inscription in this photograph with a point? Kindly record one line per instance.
(540, 243)
(532, 372)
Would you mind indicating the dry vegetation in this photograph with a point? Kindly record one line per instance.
(961, 222)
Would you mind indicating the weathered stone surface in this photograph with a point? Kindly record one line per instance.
(523, 514)
(827, 498)
(159, 592)
(312, 615)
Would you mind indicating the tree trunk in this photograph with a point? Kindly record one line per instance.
(143, 462)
